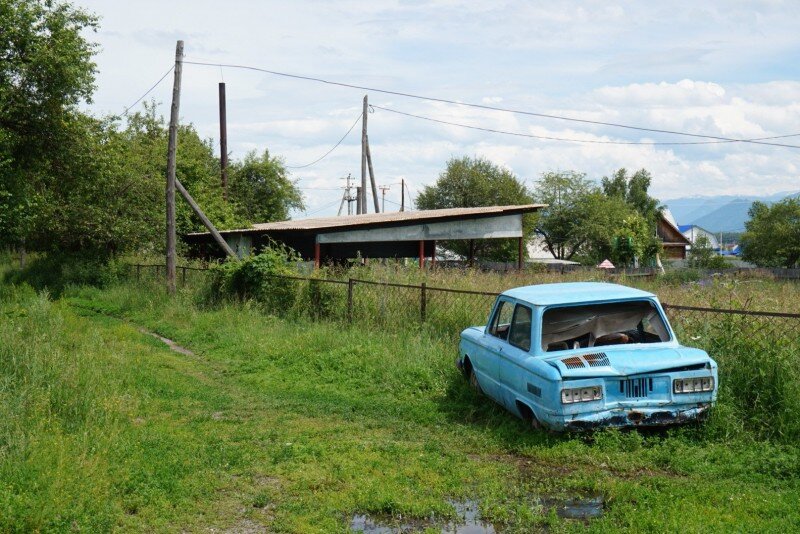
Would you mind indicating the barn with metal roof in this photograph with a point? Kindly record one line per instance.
(404, 234)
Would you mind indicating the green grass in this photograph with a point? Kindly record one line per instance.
(294, 426)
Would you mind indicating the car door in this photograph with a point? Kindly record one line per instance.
(513, 377)
(494, 343)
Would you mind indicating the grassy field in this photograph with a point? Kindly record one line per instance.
(298, 426)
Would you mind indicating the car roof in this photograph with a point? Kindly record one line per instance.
(574, 293)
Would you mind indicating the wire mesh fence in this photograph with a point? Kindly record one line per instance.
(393, 306)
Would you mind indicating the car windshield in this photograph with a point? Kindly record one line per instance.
(595, 325)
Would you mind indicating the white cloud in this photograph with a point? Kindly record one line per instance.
(713, 67)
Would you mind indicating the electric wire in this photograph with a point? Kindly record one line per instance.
(493, 108)
(321, 208)
(124, 113)
(329, 151)
(566, 139)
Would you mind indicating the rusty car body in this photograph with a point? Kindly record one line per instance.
(575, 356)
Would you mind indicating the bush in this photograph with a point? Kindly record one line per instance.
(54, 272)
(259, 278)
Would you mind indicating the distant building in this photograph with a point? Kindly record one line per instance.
(539, 253)
(692, 232)
(672, 240)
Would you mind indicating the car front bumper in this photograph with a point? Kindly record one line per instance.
(632, 417)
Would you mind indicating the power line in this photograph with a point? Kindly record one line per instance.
(493, 108)
(124, 113)
(329, 151)
(321, 208)
(320, 188)
(552, 138)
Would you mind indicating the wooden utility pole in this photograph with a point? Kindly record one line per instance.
(363, 196)
(223, 140)
(372, 178)
(383, 189)
(402, 194)
(171, 148)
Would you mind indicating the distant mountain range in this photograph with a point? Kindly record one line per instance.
(725, 213)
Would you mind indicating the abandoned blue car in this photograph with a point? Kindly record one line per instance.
(577, 356)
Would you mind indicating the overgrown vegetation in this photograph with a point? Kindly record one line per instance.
(296, 424)
(73, 183)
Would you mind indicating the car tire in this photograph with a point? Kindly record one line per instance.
(473, 382)
(535, 424)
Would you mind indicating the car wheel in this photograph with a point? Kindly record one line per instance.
(473, 382)
(535, 424)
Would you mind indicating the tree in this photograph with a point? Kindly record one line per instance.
(563, 224)
(473, 182)
(772, 235)
(261, 189)
(582, 222)
(634, 191)
(702, 256)
(46, 71)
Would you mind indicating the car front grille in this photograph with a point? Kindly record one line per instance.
(636, 388)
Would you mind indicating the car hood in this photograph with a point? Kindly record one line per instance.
(626, 360)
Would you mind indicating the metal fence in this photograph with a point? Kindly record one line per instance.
(393, 306)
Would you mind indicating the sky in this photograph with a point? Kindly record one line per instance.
(729, 69)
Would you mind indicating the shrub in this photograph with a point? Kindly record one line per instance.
(259, 278)
(54, 272)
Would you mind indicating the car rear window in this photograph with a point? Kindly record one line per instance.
(595, 325)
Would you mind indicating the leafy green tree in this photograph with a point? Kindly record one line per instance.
(702, 256)
(473, 182)
(583, 223)
(46, 71)
(633, 241)
(261, 189)
(634, 191)
(564, 223)
(772, 235)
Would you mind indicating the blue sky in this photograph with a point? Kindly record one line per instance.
(718, 68)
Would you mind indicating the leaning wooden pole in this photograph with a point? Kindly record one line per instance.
(206, 222)
(372, 179)
(363, 199)
(171, 179)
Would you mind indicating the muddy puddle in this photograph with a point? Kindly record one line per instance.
(583, 508)
(469, 520)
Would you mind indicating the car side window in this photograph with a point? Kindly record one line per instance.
(520, 335)
(501, 320)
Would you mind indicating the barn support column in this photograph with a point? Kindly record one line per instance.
(421, 254)
(317, 258)
(519, 253)
(433, 254)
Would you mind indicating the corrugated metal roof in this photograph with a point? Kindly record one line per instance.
(379, 219)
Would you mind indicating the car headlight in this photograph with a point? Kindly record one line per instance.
(572, 395)
(693, 385)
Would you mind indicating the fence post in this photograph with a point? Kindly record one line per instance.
(350, 284)
(183, 275)
(423, 301)
(138, 272)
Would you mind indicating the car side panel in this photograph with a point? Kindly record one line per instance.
(478, 347)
